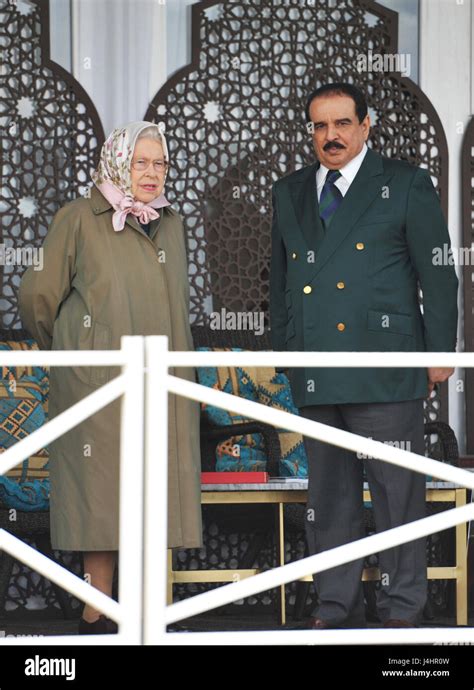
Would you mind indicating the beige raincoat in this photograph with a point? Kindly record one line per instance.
(96, 286)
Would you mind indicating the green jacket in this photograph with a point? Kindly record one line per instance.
(354, 288)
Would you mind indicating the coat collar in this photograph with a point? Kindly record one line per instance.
(365, 187)
(100, 204)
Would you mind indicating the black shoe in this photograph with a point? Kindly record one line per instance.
(315, 623)
(102, 626)
(398, 623)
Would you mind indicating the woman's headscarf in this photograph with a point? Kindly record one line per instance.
(113, 176)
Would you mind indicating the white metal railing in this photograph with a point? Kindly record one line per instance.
(130, 384)
(141, 612)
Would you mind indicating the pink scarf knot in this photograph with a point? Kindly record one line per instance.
(128, 204)
(125, 204)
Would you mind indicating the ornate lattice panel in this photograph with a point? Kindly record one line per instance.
(244, 537)
(468, 240)
(28, 591)
(235, 123)
(50, 138)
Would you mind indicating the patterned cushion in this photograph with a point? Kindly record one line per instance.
(260, 384)
(23, 409)
(238, 453)
(274, 390)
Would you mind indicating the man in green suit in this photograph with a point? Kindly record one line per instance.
(353, 236)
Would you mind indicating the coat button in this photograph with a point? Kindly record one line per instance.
(340, 326)
(360, 246)
(341, 286)
(293, 256)
(307, 289)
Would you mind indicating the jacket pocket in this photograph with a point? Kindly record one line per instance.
(101, 339)
(375, 220)
(386, 322)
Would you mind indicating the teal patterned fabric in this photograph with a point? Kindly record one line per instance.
(241, 453)
(23, 400)
(29, 496)
(277, 393)
(247, 453)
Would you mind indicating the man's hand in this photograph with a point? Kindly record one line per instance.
(437, 375)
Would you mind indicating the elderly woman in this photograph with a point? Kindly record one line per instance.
(114, 264)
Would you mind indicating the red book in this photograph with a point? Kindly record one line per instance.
(234, 477)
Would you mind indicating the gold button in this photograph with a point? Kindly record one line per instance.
(341, 285)
(307, 289)
(359, 245)
(293, 256)
(340, 326)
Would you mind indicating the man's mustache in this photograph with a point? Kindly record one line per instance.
(333, 144)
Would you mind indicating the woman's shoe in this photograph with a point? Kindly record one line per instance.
(102, 626)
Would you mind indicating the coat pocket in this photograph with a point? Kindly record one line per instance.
(101, 339)
(386, 322)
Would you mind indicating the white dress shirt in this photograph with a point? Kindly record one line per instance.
(348, 172)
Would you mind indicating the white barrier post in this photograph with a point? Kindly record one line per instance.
(131, 491)
(143, 537)
(156, 490)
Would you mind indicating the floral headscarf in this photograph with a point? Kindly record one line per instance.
(113, 177)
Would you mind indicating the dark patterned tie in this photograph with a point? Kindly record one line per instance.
(330, 199)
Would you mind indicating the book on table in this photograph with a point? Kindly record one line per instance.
(234, 477)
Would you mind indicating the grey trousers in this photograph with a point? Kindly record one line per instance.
(335, 510)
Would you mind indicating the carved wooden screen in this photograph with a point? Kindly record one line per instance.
(235, 123)
(51, 137)
(468, 274)
(50, 141)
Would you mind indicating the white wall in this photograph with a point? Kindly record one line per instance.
(116, 55)
(446, 76)
(60, 32)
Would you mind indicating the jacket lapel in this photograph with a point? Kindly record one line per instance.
(365, 187)
(133, 222)
(305, 202)
(155, 223)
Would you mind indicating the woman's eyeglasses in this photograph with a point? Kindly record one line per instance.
(142, 164)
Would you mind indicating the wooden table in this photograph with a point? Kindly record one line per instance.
(281, 491)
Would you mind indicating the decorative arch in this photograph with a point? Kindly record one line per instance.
(234, 121)
(51, 137)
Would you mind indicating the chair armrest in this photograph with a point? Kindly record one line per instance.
(270, 438)
(448, 441)
(26, 523)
